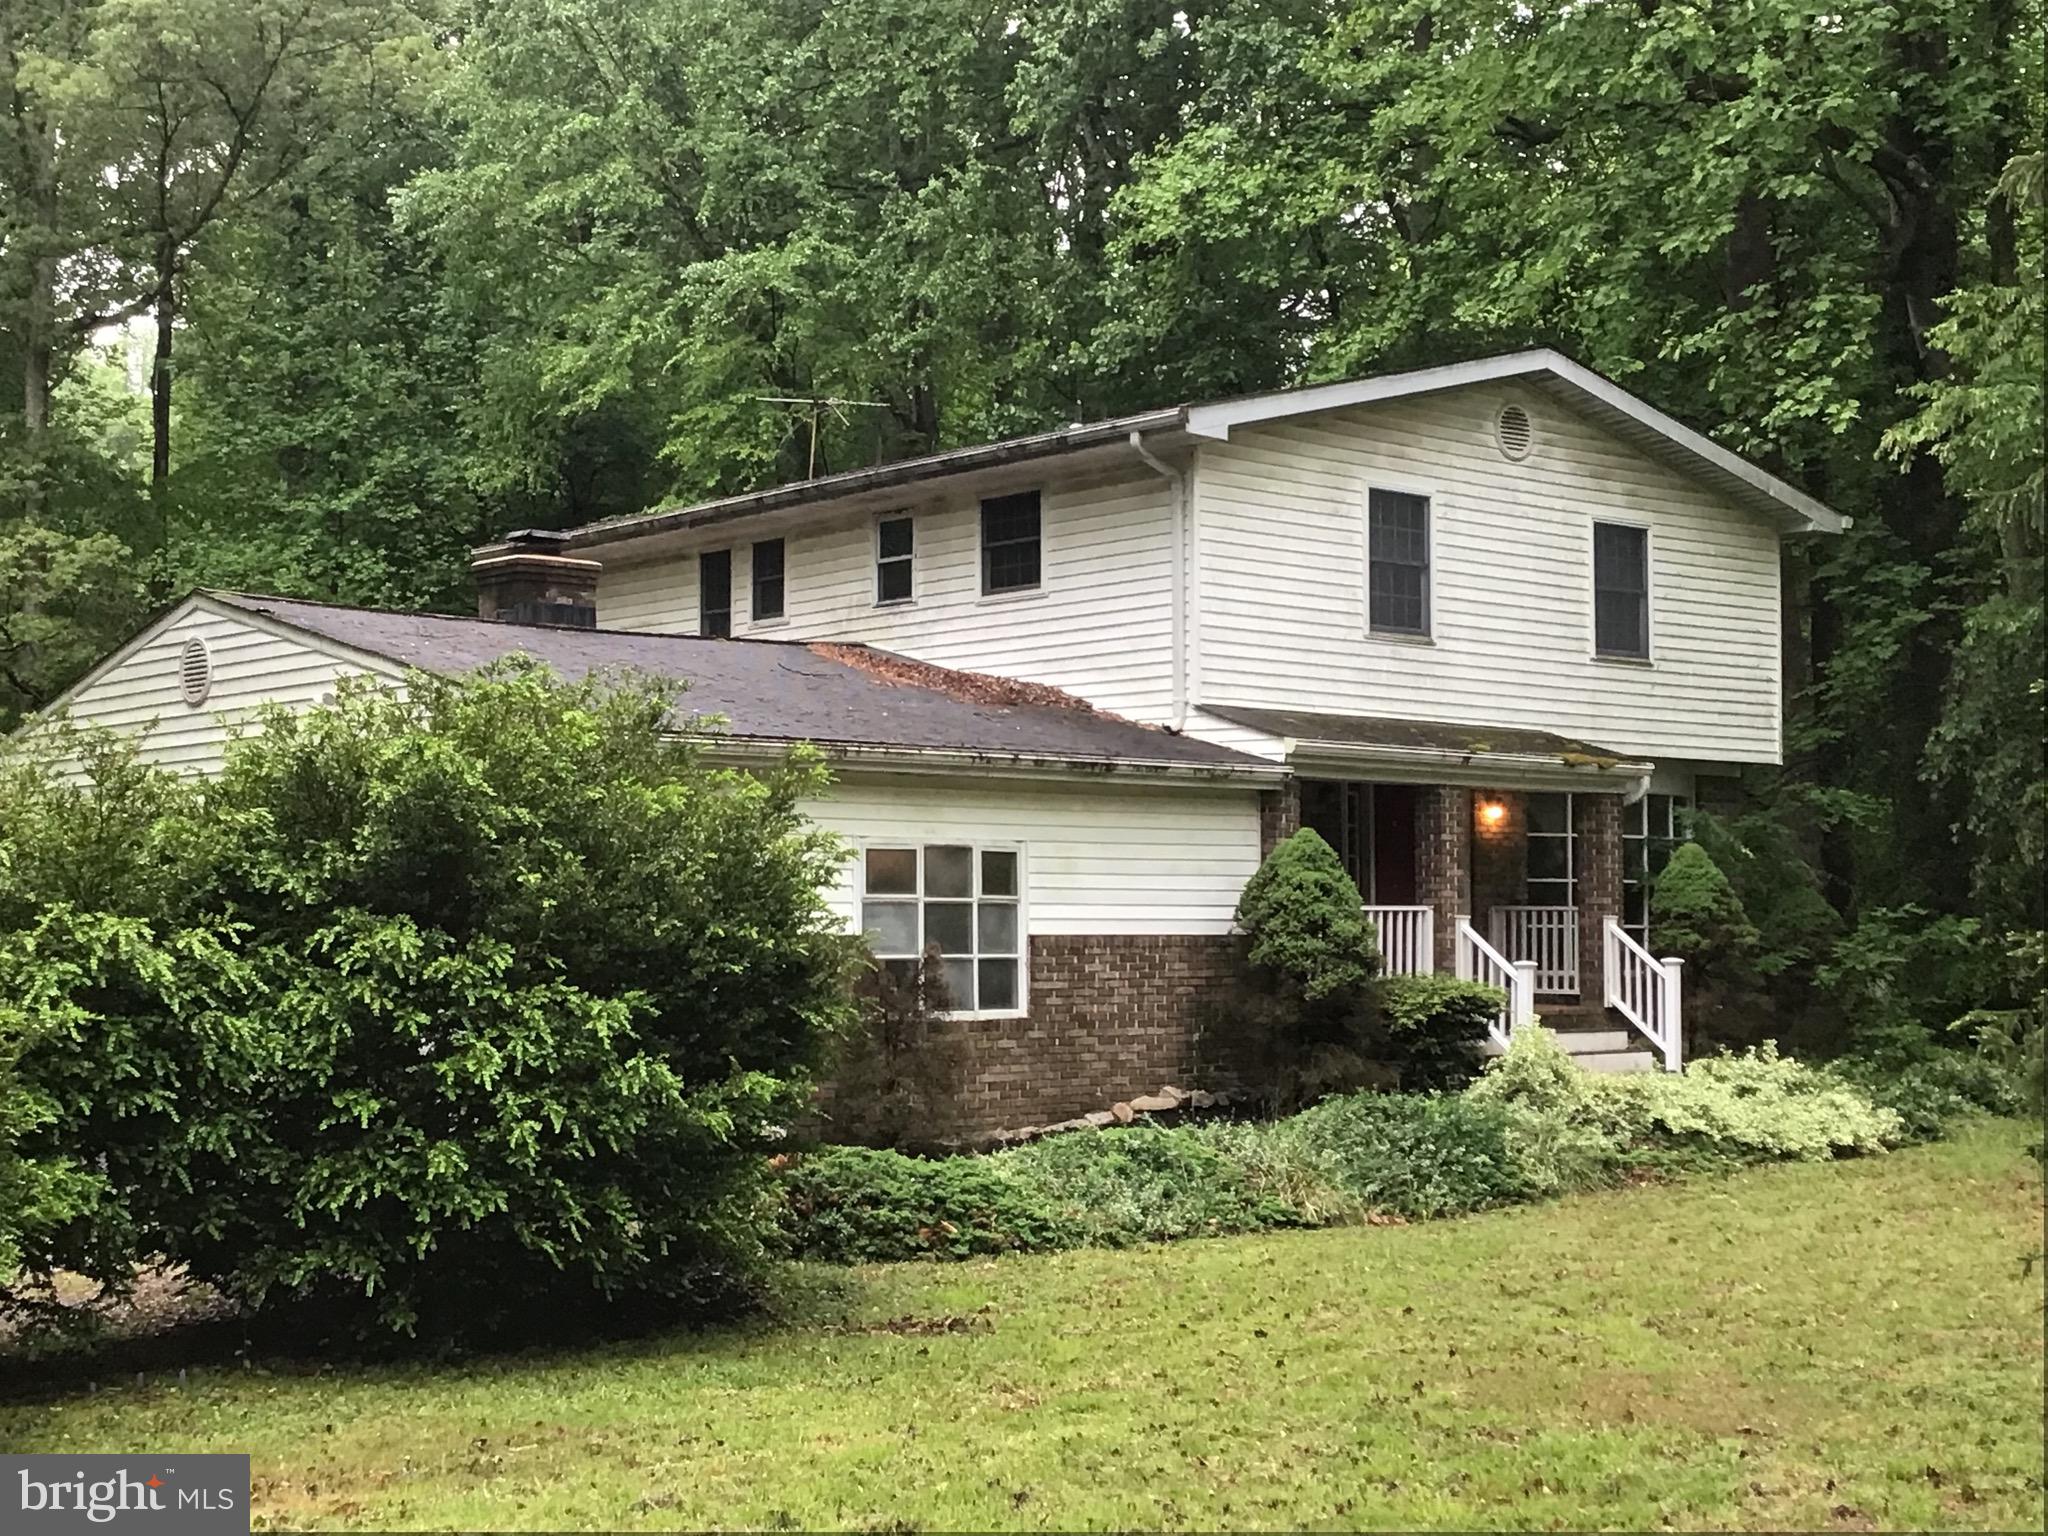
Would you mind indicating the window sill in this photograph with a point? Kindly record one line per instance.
(1018, 595)
(754, 624)
(987, 1015)
(895, 602)
(1393, 637)
(1645, 662)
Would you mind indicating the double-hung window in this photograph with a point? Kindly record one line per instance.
(767, 575)
(1621, 591)
(895, 554)
(1009, 543)
(959, 906)
(1397, 547)
(714, 593)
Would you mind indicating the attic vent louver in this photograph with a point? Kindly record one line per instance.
(195, 672)
(1511, 429)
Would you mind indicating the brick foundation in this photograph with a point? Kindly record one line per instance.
(1597, 848)
(1112, 1016)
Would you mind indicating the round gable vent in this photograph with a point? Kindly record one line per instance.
(195, 672)
(1512, 430)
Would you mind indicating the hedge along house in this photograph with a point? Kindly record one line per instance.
(1488, 627)
(1078, 873)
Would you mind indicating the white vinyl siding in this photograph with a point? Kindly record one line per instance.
(1099, 625)
(1281, 559)
(252, 666)
(1098, 858)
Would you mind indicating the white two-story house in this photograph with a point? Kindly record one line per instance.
(1488, 627)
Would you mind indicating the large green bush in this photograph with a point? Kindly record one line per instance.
(1430, 1029)
(448, 1005)
(1309, 933)
(1756, 1105)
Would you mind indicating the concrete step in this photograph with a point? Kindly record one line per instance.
(1596, 1042)
(1615, 1061)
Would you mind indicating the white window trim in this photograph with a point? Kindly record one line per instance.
(993, 845)
(781, 620)
(1011, 594)
(875, 598)
(1429, 521)
(1606, 659)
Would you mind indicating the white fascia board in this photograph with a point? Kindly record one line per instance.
(951, 763)
(1215, 421)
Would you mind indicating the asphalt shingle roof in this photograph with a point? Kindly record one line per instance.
(778, 690)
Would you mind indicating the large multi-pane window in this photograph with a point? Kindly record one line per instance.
(1009, 543)
(1621, 591)
(1397, 547)
(714, 592)
(960, 905)
(1553, 862)
(1650, 829)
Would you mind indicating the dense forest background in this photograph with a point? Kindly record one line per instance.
(308, 296)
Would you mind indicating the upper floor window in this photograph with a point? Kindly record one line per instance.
(1397, 541)
(1009, 543)
(714, 592)
(1621, 590)
(767, 579)
(895, 554)
(955, 905)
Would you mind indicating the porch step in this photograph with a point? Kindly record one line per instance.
(1595, 1042)
(1615, 1061)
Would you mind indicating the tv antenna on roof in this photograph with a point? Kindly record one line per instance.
(819, 405)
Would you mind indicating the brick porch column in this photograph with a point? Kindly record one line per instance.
(1279, 815)
(1443, 854)
(1597, 844)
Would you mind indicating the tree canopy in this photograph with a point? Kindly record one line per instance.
(397, 277)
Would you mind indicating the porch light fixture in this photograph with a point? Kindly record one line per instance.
(1492, 813)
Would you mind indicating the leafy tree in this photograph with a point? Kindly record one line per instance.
(442, 1007)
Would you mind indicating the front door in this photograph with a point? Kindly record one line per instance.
(1372, 827)
(1393, 845)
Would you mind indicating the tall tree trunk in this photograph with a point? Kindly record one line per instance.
(160, 406)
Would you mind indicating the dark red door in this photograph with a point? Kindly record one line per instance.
(1393, 844)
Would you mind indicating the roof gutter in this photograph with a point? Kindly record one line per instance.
(881, 477)
(1484, 770)
(949, 761)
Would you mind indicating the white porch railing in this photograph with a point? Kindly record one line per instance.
(1547, 935)
(1644, 990)
(1407, 939)
(1480, 961)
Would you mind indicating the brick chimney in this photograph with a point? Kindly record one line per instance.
(530, 578)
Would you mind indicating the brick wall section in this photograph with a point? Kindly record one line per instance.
(1112, 1016)
(1443, 854)
(1597, 846)
(1500, 853)
(1279, 815)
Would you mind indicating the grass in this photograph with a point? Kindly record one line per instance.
(1849, 1345)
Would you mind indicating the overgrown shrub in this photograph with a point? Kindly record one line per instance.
(860, 1205)
(1930, 1090)
(1300, 1026)
(463, 1002)
(1406, 1154)
(1557, 1132)
(1146, 1184)
(1754, 1105)
(898, 1069)
(1430, 1028)
(1310, 937)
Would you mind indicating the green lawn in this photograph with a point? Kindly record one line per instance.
(1856, 1345)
